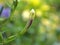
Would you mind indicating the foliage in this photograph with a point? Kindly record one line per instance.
(29, 22)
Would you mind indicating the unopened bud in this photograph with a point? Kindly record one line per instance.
(32, 11)
(1, 8)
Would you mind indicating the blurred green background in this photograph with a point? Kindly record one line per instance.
(45, 28)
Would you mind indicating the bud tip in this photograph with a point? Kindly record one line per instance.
(32, 11)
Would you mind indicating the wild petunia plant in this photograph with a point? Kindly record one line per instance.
(6, 13)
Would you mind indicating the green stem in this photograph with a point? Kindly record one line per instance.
(11, 38)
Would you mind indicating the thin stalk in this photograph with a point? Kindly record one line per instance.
(11, 38)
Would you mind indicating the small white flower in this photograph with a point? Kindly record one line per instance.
(25, 15)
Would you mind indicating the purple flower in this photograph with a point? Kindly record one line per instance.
(6, 13)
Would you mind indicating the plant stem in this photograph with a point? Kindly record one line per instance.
(11, 38)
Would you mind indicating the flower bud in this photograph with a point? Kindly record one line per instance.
(32, 13)
(1, 8)
(4, 35)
